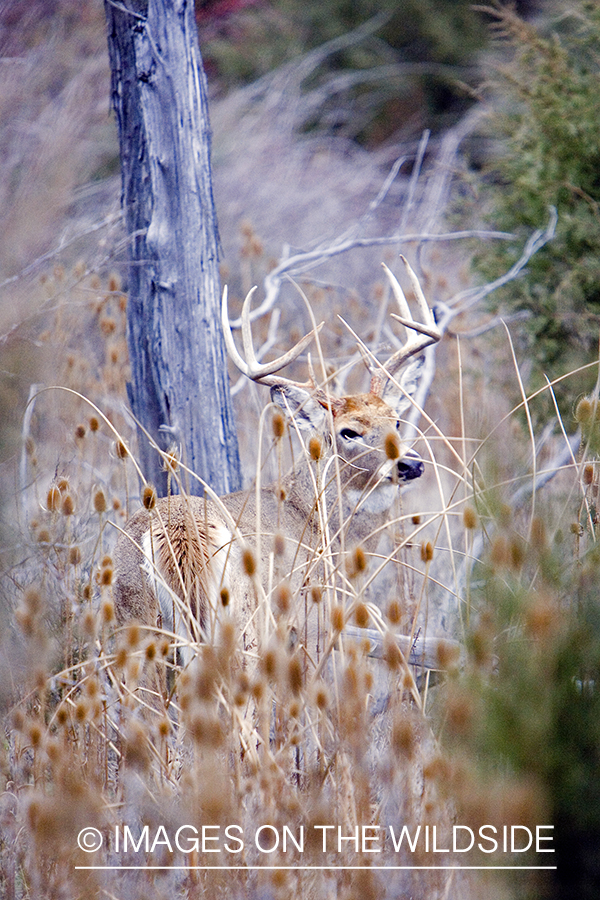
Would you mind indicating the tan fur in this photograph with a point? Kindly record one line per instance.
(190, 562)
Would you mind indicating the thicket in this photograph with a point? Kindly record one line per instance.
(544, 132)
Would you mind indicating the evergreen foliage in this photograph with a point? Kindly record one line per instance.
(546, 121)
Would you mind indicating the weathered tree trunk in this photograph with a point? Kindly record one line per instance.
(179, 390)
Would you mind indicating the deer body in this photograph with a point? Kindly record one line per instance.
(256, 557)
(188, 552)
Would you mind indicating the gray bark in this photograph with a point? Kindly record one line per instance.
(179, 389)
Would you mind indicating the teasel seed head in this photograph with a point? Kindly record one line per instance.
(391, 446)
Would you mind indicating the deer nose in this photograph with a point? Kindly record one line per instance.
(410, 466)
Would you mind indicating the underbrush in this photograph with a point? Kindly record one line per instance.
(258, 779)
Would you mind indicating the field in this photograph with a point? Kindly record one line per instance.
(370, 776)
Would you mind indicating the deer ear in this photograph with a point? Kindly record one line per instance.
(409, 381)
(299, 405)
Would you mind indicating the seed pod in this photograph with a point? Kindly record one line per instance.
(315, 448)
(121, 450)
(53, 498)
(295, 674)
(394, 612)
(99, 499)
(469, 518)
(283, 598)
(316, 593)
(171, 462)
(321, 696)
(278, 425)
(68, 505)
(149, 497)
(337, 618)
(391, 446)
(248, 562)
(362, 615)
(74, 556)
(584, 411)
(360, 559)
(107, 611)
(426, 551)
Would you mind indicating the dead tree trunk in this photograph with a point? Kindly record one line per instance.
(179, 391)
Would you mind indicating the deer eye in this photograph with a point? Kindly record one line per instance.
(349, 435)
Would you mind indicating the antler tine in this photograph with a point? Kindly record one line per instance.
(419, 334)
(263, 373)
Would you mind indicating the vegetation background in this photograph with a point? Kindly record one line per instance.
(497, 547)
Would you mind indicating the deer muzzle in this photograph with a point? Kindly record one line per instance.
(410, 466)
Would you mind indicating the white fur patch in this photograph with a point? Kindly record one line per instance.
(175, 618)
(376, 500)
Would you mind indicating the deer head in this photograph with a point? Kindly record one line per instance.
(362, 429)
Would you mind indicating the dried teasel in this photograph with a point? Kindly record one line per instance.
(283, 598)
(295, 674)
(316, 593)
(426, 551)
(53, 498)
(394, 612)
(278, 545)
(361, 615)
(114, 282)
(74, 555)
(88, 623)
(337, 618)
(356, 562)
(67, 506)
(121, 450)
(469, 518)
(99, 501)
(249, 562)
(171, 459)
(315, 448)
(321, 696)
(391, 446)
(278, 426)
(107, 611)
(149, 497)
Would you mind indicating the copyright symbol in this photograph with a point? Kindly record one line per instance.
(89, 840)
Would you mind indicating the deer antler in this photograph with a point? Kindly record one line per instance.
(264, 373)
(419, 335)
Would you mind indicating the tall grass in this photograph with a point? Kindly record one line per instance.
(497, 548)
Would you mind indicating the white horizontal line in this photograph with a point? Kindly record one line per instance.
(316, 868)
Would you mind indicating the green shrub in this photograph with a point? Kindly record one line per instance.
(545, 122)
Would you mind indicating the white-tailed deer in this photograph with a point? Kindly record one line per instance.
(266, 558)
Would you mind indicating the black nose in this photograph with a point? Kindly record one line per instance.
(410, 466)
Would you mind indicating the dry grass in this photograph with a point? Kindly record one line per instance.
(356, 745)
(479, 549)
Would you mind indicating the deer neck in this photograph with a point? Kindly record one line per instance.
(363, 511)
